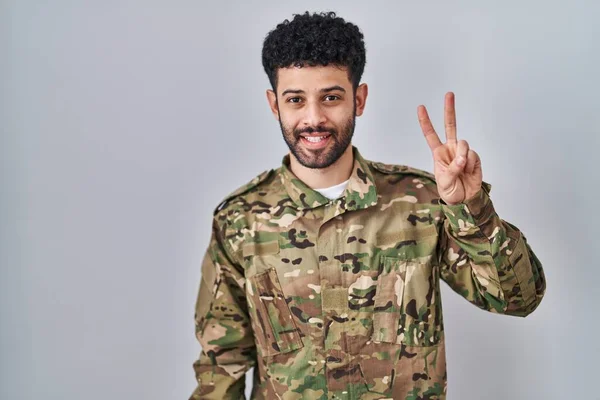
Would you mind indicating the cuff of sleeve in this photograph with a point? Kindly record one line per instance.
(471, 213)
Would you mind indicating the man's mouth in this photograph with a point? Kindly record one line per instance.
(315, 140)
(315, 137)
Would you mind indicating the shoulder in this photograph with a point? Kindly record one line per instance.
(428, 178)
(399, 169)
(248, 187)
(397, 181)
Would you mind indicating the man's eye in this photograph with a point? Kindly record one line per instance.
(294, 100)
(331, 97)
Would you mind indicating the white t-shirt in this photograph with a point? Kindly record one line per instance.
(333, 192)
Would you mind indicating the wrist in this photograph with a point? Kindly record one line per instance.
(471, 212)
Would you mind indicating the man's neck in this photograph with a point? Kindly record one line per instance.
(320, 178)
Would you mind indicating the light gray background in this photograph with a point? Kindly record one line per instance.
(124, 123)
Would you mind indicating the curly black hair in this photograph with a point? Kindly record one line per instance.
(317, 39)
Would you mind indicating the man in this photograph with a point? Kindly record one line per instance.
(324, 273)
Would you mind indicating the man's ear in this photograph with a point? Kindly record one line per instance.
(362, 91)
(272, 99)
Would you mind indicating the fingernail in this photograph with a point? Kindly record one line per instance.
(460, 160)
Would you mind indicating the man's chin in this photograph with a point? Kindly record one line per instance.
(322, 161)
(315, 158)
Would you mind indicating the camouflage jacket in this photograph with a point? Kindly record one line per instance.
(340, 299)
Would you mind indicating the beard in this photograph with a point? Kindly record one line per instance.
(319, 158)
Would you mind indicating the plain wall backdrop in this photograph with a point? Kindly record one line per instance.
(124, 123)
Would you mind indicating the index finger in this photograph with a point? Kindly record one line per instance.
(430, 135)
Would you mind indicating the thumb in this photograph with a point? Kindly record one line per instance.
(457, 165)
(460, 158)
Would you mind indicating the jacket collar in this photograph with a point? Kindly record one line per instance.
(359, 193)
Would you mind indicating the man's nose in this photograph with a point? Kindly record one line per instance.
(315, 115)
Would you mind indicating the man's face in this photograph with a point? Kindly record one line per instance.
(316, 109)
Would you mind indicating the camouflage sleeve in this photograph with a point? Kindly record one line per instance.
(222, 326)
(487, 260)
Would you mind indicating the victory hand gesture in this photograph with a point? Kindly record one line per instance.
(457, 168)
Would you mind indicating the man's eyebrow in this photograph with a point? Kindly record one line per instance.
(331, 88)
(297, 91)
(327, 89)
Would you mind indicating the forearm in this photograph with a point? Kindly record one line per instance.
(217, 380)
(488, 260)
(222, 327)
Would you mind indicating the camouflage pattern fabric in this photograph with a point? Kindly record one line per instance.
(340, 299)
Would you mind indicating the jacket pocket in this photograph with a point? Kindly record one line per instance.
(406, 304)
(273, 323)
(378, 376)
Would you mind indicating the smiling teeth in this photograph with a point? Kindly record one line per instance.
(314, 139)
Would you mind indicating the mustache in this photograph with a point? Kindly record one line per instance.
(310, 129)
